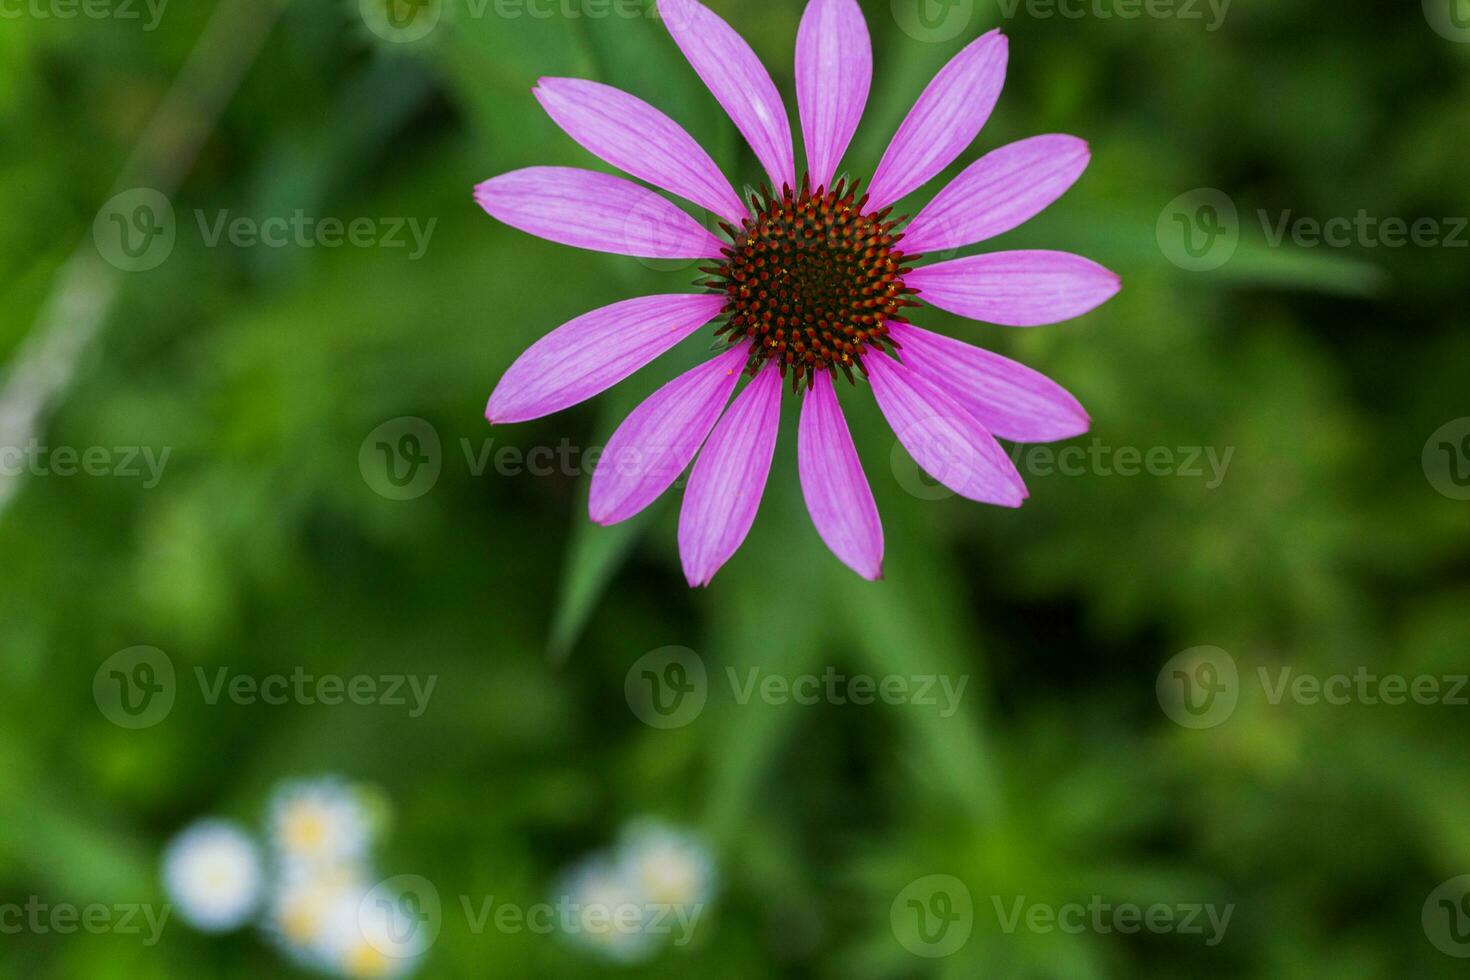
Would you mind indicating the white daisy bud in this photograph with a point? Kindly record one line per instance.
(212, 872)
(320, 821)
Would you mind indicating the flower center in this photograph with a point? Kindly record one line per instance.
(811, 280)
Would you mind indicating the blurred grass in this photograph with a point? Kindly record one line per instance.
(264, 549)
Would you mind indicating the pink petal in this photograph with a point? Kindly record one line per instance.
(635, 137)
(1000, 191)
(1016, 289)
(944, 121)
(1010, 399)
(729, 478)
(834, 70)
(832, 481)
(739, 82)
(658, 438)
(942, 437)
(595, 211)
(595, 351)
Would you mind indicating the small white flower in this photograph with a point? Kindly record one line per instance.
(306, 905)
(320, 821)
(212, 872)
(600, 908)
(372, 935)
(672, 867)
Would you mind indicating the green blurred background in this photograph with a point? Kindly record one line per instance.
(1333, 541)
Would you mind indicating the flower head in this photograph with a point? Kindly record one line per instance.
(671, 867)
(331, 919)
(366, 936)
(307, 907)
(812, 282)
(813, 279)
(650, 890)
(321, 821)
(605, 912)
(212, 872)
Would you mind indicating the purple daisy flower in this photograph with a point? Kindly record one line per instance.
(813, 281)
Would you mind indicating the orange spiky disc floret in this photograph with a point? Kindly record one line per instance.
(811, 280)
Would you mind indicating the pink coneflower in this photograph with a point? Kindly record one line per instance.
(811, 283)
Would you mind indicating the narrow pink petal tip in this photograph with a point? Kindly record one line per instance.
(833, 483)
(944, 121)
(1017, 289)
(586, 356)
(942, 437)
(736, 78)
(834, 72)
(1000, 191)
(1010, 399)
(659, 438)
(729, 479)
(597, 211)
(638, 139)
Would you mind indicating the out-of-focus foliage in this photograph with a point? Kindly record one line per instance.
(263, 549)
